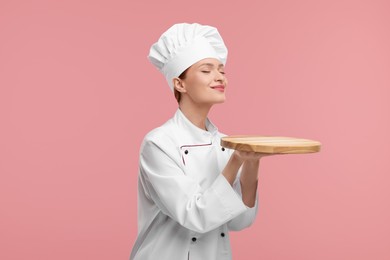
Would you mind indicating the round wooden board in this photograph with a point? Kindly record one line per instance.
(270, 144)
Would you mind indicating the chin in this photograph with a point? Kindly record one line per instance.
(214, 100)
(220, 101)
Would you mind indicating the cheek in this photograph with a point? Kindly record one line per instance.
(203, 79)
(200, 81)
(199, 92)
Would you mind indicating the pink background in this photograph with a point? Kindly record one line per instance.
(77, 95)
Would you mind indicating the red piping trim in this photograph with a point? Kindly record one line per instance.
(192, 145)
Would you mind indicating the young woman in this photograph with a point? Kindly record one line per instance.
(192, 191)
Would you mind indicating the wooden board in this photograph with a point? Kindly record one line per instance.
(270, 144)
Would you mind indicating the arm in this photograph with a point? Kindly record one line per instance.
(249, 175)
(180, 197)
(249, 179)
(246, 186)
(231, 169)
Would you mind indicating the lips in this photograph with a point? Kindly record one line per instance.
(220, 88)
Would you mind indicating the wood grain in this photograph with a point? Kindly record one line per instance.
(270, 144)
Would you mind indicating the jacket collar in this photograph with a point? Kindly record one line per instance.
(196, 134)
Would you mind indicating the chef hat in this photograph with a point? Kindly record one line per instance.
(183, 45)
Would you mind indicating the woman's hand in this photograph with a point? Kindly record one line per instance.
(249, 156)
(250, 163)
(249, 174)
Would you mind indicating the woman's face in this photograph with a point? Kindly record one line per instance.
(205, 82)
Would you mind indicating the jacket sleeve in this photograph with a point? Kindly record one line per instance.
(246, 218)
(180, 197)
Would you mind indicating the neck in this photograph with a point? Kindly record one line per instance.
(196, 114)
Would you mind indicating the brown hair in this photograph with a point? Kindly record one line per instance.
(177, 93)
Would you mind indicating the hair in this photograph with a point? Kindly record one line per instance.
(177, 93)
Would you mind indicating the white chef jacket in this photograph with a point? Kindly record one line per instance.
(186, 207)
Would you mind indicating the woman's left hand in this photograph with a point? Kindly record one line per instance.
(250, 156)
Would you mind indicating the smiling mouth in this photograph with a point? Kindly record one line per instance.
(219, 88)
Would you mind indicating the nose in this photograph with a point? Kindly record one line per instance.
(219, 77)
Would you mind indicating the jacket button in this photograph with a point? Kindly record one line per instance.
(186, 151)
(222, 234)
(193, 239)
(223, 149)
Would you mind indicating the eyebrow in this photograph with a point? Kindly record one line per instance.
(211, 64)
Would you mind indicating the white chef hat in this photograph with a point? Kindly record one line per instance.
(183, 45)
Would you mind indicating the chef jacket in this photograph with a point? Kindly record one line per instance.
(186, 207)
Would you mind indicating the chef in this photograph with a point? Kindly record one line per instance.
(192, 191)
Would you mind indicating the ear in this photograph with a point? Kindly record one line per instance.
(179, 85)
